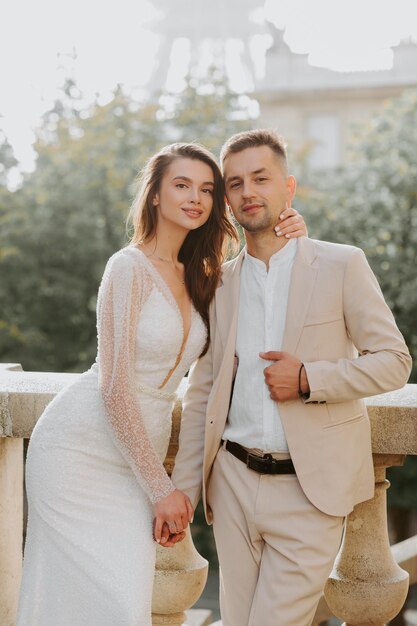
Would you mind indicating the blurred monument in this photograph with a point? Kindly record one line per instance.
(203, 23)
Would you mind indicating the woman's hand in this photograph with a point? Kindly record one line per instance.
(176, 510)
(168, 540)
(291, 224)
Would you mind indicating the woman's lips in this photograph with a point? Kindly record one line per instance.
(193, 212)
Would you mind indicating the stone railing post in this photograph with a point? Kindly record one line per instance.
(180, 572)
(11, 513)
(366, 586)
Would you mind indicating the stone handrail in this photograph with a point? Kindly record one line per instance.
(366, 587)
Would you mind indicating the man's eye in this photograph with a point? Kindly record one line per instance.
(234, 185)
(181, 185)
(261, 179)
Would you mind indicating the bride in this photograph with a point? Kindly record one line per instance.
(95, 474)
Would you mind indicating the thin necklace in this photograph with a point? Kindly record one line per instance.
(171, 263)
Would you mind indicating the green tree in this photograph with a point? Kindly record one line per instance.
(69, 220)
(9, 201)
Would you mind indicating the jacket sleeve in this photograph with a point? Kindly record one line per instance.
(120, 299)
(384, 362)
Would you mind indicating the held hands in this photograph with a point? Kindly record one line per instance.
(172, 515)
(291, 224)
(282, 376)
(168, 540)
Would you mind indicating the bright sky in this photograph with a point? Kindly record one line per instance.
(113, 46)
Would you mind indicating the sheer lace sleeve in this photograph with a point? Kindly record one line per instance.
(121, 296)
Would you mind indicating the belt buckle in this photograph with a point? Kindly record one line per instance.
(260, 464)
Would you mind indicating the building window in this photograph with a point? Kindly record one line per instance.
(323, 133)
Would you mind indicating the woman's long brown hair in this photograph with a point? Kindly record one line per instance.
(204, 248)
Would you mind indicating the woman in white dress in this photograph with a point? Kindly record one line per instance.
(95, 474)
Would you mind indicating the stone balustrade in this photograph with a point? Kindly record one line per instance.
(180, 574)
(366, 588)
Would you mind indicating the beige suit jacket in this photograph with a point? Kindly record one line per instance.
(339, 325)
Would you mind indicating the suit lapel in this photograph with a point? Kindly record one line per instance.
(227, 300)
(303, 278)
(227, 309)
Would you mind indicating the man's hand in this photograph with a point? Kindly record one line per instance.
(176, 510)
(168, 540)
(282, 376)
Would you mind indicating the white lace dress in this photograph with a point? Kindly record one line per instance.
(94, 464)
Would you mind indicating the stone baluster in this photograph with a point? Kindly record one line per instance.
(11, 514)
(366, 586)
(181, 572)
(11, 526)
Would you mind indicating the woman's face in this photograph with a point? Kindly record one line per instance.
(185, 197)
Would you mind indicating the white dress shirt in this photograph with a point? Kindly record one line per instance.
(254, 420)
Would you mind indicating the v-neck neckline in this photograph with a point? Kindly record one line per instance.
(170, 297)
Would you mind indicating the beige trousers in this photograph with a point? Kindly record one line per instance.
(275, 548)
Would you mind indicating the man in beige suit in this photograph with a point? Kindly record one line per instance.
(274, 428)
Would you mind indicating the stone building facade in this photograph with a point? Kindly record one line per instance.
(315, 108)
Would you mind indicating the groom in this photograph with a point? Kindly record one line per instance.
(274, 428)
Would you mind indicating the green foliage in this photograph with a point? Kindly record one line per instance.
(7, 159)
(402, 494)
(371, 202)
(68, 217)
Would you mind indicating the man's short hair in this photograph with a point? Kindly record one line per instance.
(254, 139)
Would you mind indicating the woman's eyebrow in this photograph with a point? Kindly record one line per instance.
(188, 180)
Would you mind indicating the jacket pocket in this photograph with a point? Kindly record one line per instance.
(323, 317)
(345, 422)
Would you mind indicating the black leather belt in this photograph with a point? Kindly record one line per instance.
(265, 464)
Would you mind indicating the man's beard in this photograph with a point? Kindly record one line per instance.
(262, 223)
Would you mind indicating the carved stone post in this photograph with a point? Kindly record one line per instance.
(366, 586)
(11, 515)
(181, 572)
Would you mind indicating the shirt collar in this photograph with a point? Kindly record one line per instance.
(287, 253)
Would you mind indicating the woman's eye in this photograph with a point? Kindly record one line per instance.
(181, 185)
(209, 191)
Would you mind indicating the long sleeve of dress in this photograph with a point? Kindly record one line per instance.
(121, 295)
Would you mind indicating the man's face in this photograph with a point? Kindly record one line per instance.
(258, 187)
